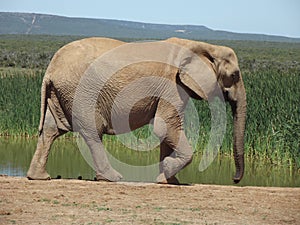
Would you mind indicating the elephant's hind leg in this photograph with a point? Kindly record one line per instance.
(104, 170)
(37, 170)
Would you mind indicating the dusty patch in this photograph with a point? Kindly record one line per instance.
(87, 202)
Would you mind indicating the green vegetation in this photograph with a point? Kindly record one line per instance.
(271, 73)
(19, 101)
(30, 51)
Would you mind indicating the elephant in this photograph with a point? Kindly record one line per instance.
(76, 96)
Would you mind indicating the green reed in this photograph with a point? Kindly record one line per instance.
(273, 119)
(19, 101)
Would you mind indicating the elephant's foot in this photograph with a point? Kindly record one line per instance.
(172, 166)
(38, 175)
(161, 179)
(111, 176)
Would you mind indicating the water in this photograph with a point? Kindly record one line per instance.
(66, 160)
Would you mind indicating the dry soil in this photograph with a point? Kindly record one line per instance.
(87, 202)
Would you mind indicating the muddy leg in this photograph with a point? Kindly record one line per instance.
(37, 169)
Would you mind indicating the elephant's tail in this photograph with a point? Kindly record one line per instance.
(45, 93)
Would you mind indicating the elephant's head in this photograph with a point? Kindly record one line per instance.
(222, 63)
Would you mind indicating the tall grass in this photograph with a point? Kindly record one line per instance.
(273, 119)
(19, 101)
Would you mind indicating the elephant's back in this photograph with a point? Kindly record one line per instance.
(67, 67)
(70, 61)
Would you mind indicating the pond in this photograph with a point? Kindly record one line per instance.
(67, 161)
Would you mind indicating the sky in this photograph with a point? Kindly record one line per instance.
(275, 17)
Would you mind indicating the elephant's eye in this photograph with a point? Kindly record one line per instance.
(226, 61)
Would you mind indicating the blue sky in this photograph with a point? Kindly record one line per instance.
(277, 17)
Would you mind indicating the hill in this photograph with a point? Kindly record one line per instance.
(31, 23)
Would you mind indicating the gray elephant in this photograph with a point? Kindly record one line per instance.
(99, 86)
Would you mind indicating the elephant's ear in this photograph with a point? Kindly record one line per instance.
(197, 76)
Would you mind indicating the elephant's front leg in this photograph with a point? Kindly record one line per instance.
(171, 165)
(165, 151)
(104, 170)
(168, 127)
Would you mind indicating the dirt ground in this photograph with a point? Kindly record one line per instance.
(87, 202)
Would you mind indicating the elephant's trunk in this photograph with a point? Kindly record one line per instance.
(239, 119)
